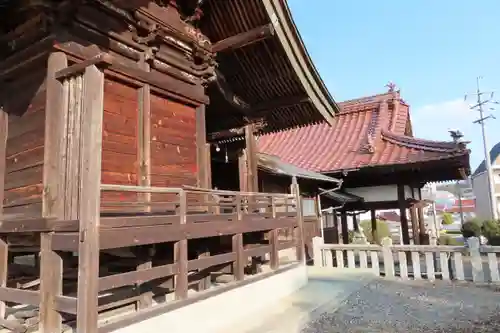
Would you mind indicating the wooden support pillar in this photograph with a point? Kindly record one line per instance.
(299, 230)
(90, 199)
(421, 226)
(4, 249)
(273, 240)
(345, 229)
(402, 213)
(355, 222)
(144, 135)
(237, 242)
(57, 196)
(181, 254)
(202, 158)
(374, 225)
(251, 159)
(414, 225)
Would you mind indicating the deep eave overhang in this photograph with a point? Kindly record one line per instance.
(292, 43)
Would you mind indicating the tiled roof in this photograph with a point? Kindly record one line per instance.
(494, 152)
(370, 131)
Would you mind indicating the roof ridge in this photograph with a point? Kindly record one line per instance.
(431, 145)
(372, 98)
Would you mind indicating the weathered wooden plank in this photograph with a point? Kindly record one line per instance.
(139, 276)
(144, 134)
(90, 173)
(245, 38)
(79, 68)
(54, 174)
(18, 296)
(51, 283)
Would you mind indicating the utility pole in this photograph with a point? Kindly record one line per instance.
(479, 106)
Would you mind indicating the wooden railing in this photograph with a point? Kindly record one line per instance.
(472, 263)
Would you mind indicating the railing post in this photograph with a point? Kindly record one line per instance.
(318, 242)
(237, 244)
(476, 261)
(181, 253)
(273, 239)
(90, 199)
(299, 231)
(51, 283)
(4, 249)
(388, 257)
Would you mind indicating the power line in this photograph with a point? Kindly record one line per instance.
(479, 106)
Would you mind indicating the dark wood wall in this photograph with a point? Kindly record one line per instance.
(25, 103)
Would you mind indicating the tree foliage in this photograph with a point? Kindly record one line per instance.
(382, 231)
(447, 219)
(491, 230)
(471, 228)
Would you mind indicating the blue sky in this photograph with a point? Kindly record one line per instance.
(432, 50)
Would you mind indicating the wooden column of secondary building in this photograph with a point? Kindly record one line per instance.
(355, 223)
(237, 245)
(299, 230)
(55, 202)
(4, 249)
(144, 173)
(202, 157)
(414, 224)
(374, 225)
(90, 200)
(181, 254)
(251, 159)
(402, 213)
(421, 226)
(345, 229)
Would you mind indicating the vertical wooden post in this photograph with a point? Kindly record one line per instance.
(374, 225)
(402, 213)
(4, 249)
(355, 223)
(56, 117)
(345, 229)
(201, 141)
(145, 254)
(54, 190)
(299, 230)
(237, 240)
(421, 226)
(414, 225)
(51, 285)
(181, 254)
(273, 239)
(144, 134)
(251, 159)
(90, 199)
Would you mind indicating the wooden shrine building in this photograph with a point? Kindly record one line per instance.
(371, 148)
(127, 129)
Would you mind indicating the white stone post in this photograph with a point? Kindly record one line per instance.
(475, 258)
(318, 251)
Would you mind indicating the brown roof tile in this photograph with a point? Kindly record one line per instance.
(369, 131)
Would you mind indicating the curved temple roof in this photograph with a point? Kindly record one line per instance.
(271, 78)
(372, 131)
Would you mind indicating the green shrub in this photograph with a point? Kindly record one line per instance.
(491, 230)
(471, 228)
(448, 240)
(382, 231)
(447, 219)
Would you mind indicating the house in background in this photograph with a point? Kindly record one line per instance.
(480, 184)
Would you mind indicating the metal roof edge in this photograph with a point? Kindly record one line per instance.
(301, 62)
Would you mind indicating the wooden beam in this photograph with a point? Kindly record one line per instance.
(79, 68)
(251, 159)
(344, 227)
(374, 225)
(245, 38)
(90, 200)
(414, 225)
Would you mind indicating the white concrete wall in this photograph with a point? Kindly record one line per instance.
(218, 312)
(480, 188)
(380, 193)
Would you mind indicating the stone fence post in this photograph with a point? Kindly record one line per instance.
(318, 242)
(475, 258)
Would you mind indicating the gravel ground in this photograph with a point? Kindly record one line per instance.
(414, 306)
